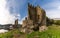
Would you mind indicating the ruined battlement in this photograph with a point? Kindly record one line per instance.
(35, 20)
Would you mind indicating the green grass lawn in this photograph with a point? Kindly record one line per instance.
(52, 32)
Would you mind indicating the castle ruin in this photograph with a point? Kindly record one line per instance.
(36, 20)
(15, 24)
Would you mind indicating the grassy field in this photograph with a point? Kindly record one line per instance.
(52, 32)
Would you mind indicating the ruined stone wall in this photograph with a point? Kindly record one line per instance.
(36, 19)
(41, 16)
(27, 26)
(32, 13)
(15, 24)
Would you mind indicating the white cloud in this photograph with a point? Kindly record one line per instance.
(58, 7)
(21, 21)
(53, 9)
(53, 13)
(16, 7)
(5, 16)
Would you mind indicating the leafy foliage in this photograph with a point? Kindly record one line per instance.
(57, 22)
(49, 21)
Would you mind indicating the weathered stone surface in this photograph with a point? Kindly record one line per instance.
(43, 28)
(16, 24)
(36, 19)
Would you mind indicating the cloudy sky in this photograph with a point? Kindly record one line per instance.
(13, 9)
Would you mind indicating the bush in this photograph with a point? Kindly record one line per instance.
(57, 22)
(49, 21)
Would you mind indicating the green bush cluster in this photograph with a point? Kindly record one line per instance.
(57, 22)
(49, 21)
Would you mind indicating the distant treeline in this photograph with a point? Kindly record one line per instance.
(51, 21)
(57, 22)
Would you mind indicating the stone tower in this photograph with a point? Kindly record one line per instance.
(36, 19)
(16, 24)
